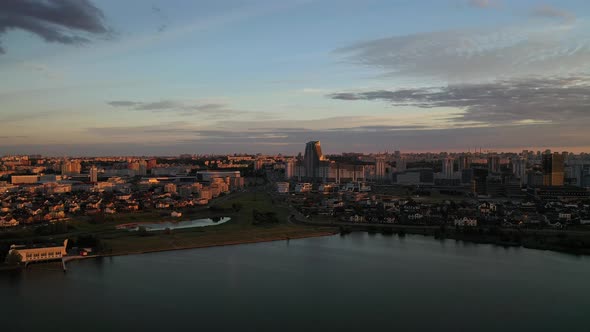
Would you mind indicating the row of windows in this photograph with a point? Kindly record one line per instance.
(43, 255)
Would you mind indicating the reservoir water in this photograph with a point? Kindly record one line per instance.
(358, 282)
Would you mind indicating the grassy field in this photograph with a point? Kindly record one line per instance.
(239, 230)
(207, 238)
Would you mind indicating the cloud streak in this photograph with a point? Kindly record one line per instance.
(175, 138)
(547, 11)
(522, 101)
(477, 54)
(210, 110)
(482, 3)
(56, 21)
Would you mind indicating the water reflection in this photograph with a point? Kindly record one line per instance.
(355, 282)
(160, 226)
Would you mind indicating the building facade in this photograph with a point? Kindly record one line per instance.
(313, 156)
(39, 253)
(448, 165)
(553, 170)
(380, 168)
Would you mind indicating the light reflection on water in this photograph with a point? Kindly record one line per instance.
(160, 226)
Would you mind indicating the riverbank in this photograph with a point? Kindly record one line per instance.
(222, 235)
(138, 245)
(210, 245)
(565, 241)
(244, 226)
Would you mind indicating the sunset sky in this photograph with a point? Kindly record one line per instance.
(112, 77)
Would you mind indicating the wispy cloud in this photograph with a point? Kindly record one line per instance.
(58, 21)
(183, 108)
(240, 13)
(477, 54)
(174, 138)
(11, 118)
(483, 3)
(42, 69)
(123, 103)
(553, 12)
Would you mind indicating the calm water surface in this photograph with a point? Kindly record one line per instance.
(359, 282)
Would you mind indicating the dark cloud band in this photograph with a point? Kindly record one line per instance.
(58, 21)
(558, 100)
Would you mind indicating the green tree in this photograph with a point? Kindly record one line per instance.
(142, 231)
(14, 258)
(60, 227)
(237, 206)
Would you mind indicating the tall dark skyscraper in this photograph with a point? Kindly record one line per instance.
(312, 158)
(553, 170)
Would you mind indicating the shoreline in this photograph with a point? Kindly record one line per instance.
(338, 229)
(202, 246)
(397, 229)
(529, 239)
(428, 231)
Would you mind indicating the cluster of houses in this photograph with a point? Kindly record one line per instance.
(31, 203)
(366, 207)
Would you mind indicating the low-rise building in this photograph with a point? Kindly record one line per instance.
(303, 187)
(39, 253)
(283, 187)
(466, 222)
(24, 179)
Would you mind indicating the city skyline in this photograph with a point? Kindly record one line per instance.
(295, 164)
(298, 150)
(168, 78)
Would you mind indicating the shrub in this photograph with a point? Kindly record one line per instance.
(14, 258)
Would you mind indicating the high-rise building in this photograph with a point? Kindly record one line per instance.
(71, 167)
(289, 169)
(258, 163)
(553, 169)
(152, 163)
(93, 174)
(494, 164)
(311, 160)
(380, 168)
(170, 188)
(467, 176)
(535, 178)
(565, 156)
(143, 166)
(480, 176)
(580, 172)
(519, 166)
(448, 168)
(134, 166)
(400, 164)
(464, 162)
(65, 168)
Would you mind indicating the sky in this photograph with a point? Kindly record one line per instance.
(166, 77)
